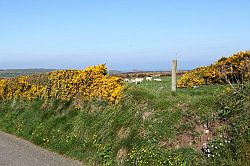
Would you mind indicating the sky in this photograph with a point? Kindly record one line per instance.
(124, 34)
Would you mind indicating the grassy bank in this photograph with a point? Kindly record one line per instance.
(149, 127)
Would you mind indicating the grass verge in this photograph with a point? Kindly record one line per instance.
(148, 127)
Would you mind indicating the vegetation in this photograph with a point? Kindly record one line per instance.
(149, 126)
(231, 69)
(64, 85)
(235, 111)
(205, 125)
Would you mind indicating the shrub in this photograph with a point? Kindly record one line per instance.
(225, 70)
(93, 82)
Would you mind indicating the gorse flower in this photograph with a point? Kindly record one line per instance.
(93, 82)
(233, 69)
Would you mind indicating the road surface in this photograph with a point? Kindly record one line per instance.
(17, 152)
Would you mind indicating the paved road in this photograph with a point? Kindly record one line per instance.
(17, 152)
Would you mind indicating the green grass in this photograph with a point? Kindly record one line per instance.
(144, 127)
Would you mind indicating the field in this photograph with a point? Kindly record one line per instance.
(149, 126)
(20, 72)
(147, 74)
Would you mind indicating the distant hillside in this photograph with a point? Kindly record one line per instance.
(20, 72)
(148, 73)
(111, 72)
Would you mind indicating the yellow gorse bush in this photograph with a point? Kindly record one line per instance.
(93, 82)
(232, 69)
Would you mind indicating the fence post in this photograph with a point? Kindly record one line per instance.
(174, 75)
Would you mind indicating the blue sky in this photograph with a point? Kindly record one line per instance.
(124, 34)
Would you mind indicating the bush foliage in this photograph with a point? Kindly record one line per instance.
(231, 69)
(93, 82)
